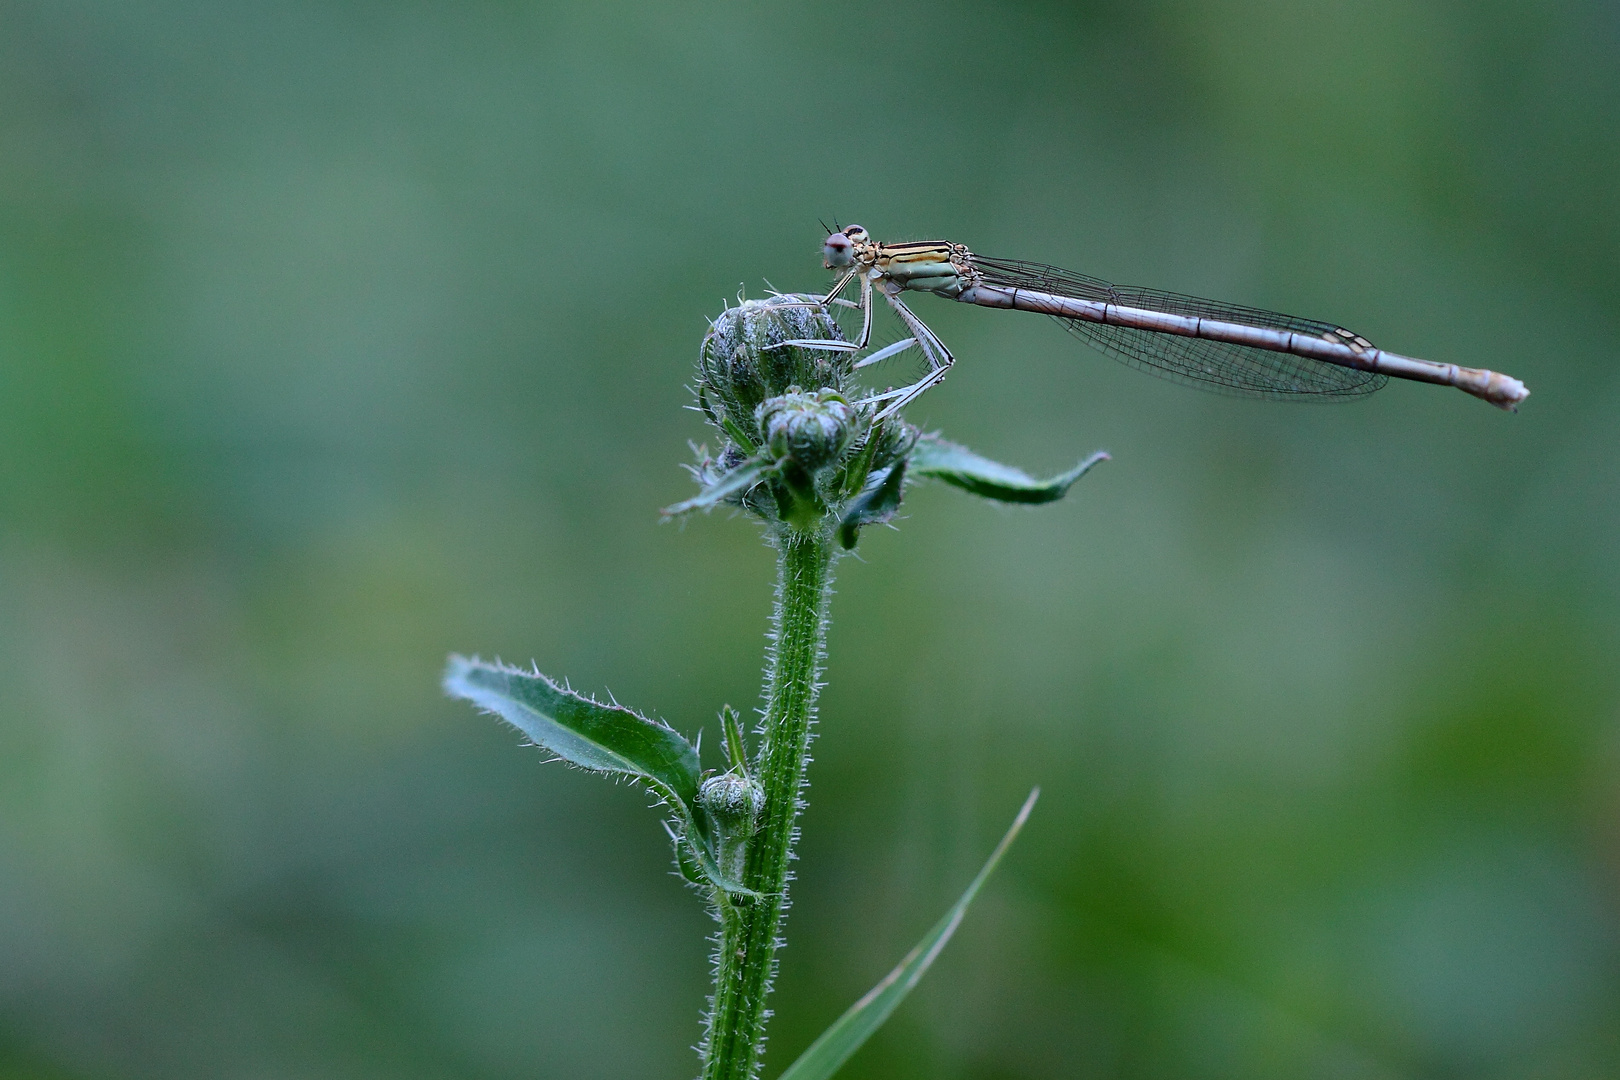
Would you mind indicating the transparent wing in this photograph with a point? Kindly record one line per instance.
(1211, 365)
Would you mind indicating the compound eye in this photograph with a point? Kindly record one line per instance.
(837, 251)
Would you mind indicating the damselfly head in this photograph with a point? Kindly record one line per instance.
(838, 251)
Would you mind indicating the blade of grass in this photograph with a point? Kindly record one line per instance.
(834, 1046)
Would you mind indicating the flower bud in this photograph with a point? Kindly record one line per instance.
(743, 361)
(733, 802)
(812, 429)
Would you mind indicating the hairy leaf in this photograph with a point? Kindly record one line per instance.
(602, 738)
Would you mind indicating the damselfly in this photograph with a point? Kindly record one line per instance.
(1223, 347)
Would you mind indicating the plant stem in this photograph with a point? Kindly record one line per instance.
(745, 963)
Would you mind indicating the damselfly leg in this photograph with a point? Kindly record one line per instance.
(865, 306)
(938, 356)
(939, 361)
(884, 353)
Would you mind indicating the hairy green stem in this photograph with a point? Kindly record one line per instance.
(745, 962)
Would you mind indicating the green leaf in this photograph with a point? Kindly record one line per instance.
(735, 482)
(602, 738)
(962, 467)
(686, 861)
(699, 847)
(835, 1045)
(607, 739)
(738, 435)
(875, 505)
(732, 740)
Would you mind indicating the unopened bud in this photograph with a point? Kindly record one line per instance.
(812, 429)
(744, 359)
(733, 802)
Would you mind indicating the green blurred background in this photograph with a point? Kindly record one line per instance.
(338, 336)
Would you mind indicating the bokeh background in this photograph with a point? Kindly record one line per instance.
(337, 336)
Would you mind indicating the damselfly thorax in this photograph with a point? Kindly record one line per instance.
(1225, 347)
(936, 266)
